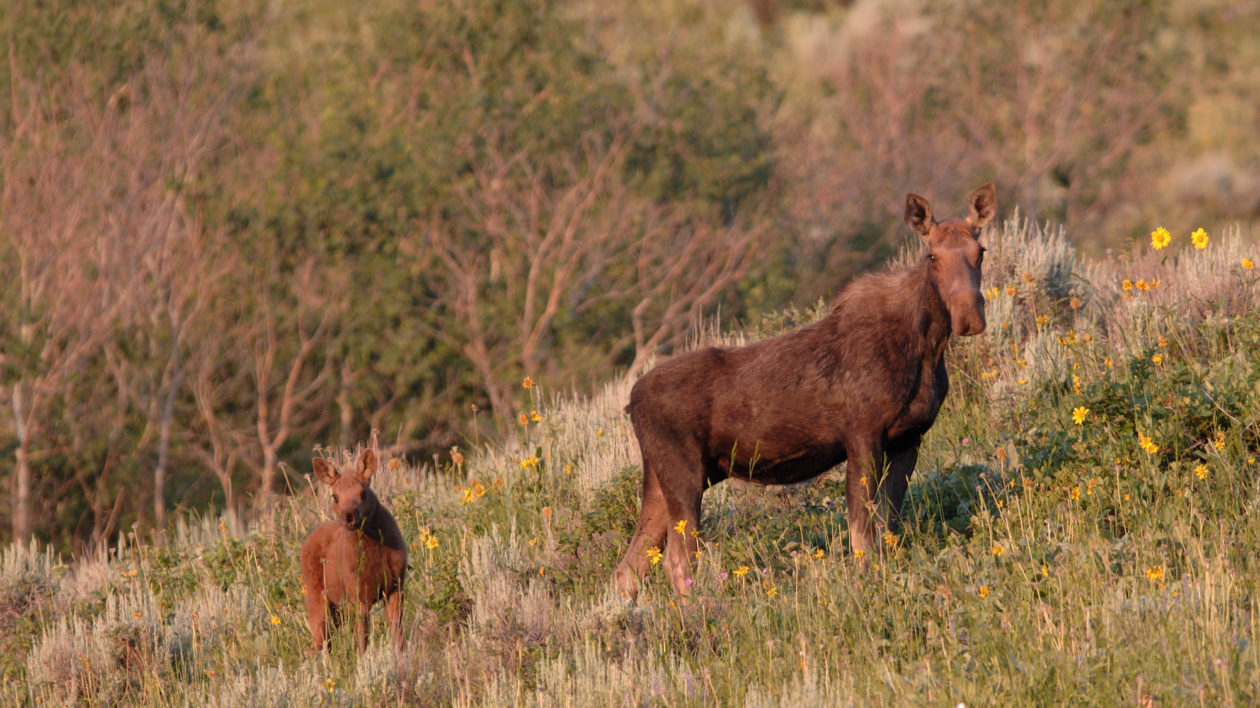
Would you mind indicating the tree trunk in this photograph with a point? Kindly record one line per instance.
(22, 471)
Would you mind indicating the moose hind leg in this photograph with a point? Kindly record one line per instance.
(861, 479)
(649, 532)
(683, 505)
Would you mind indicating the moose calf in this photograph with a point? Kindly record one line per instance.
(863, 384)
(356, 560)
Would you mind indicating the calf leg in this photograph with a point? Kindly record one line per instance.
(317, 610)
(650, 531)
(362, 618)
(393, 611)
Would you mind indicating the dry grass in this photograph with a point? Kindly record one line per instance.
(1043, 561)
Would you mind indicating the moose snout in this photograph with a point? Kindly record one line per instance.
(967, 318)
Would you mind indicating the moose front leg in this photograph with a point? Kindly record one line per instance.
(393, 612)
(892, 490)
(866, 460)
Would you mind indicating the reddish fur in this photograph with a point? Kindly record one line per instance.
(354, 561)
(862, 384)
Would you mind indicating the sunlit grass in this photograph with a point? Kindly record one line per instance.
(1080, 530)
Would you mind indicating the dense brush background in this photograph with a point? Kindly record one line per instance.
(237, 234)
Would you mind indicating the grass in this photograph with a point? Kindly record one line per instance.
(1043, 561)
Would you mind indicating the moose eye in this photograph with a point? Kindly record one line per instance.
(931, 258)
(334, 499)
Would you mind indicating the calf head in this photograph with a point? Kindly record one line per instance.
(352, 499)
(955, 255)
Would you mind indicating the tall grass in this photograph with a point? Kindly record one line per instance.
(1044, 561)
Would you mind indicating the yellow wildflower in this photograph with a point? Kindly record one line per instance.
(1161, 341)
(1078, 414)
(772, 591)
(1146, 444)
(998, 550)
(1075, 493)
(533, 415)
(984, 591)
(1155, 573)
(523, 419)
(331, 685)
(1201, 471)
(1158, 359)
(527, 384)
(819, 553)
(1247, 264)
(1126, 284)
(1141, 284)
(681, 527)
(1075, 303)
(991, 293)
(890, 539)
(654, 555)
(859, 554)
(741, 571)
(1010, 290)
(275, 620)
(1200, 239)
(1219, 442)
(599, 431)
(1042, 319)
(431, 542)
(1160, 238)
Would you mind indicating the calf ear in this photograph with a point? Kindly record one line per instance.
(324, 471)
(367, 465)
(983, 206)
(918, 214)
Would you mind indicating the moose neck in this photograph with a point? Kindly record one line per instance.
(379, 525)
(934, 323)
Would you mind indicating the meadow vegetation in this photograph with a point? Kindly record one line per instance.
(1080, 530)
(231, 230)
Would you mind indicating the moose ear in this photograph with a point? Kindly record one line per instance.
(918, 214)
(324, 471)
(983, 206)
(367, 465)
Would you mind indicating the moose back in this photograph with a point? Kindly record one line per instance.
(863, 384)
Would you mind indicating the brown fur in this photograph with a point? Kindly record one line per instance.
(354, 561)
(862, 384)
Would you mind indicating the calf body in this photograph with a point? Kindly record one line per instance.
(863, 385)
(350, 563)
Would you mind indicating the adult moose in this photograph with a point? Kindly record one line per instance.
(354, 561)
(863, 384)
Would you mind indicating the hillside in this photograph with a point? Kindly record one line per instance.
(231, 230)
(1081, 530)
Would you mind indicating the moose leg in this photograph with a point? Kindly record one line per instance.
(362, 617)
(683, 505)
(892, 491)
(393, 612)
(317, 611)
(650, 531)
(866, 460)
